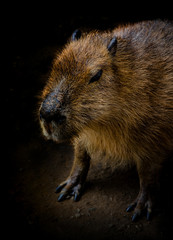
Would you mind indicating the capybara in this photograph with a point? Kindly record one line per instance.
(111, 94)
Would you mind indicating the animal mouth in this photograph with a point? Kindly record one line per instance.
(54, 131)
(49, 128)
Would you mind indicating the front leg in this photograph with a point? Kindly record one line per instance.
(149, 176)
(73, 185)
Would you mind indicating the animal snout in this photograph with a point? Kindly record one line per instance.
(51, 110)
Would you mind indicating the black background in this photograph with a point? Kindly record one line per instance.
(28, 28)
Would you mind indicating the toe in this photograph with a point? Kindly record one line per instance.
(60, 187)
(149, 215)
(131, 207)
(77, 192)
(61, 197)
(149, 210)
(76, 197)
(136, 215)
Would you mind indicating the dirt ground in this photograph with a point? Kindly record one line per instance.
(100, 214)
(34, 167)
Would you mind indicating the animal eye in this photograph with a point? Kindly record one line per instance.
(96, 77)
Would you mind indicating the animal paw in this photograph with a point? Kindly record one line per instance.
(143, 202)
(69, 188)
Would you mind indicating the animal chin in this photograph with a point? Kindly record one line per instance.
(53, 132)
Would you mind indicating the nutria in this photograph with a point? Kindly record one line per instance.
(111, 94)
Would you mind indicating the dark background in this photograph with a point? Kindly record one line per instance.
(29, 28)
(32, 36)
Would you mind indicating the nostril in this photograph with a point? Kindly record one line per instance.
(60, 119)
(49, 116)
(46, 114)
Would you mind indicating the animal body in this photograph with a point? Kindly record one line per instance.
(111, 94)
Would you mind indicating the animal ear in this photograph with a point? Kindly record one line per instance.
(76, 35)
(112, 47)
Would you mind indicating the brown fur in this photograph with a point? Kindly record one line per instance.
(127, 115)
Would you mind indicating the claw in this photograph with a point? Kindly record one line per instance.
(60, 187)
(135, 217)
(131, 207)
(61, 197)
(149, 215)
(76, 197)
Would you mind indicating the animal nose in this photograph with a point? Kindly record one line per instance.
(51, 111)
(48, 117)
(45, 114)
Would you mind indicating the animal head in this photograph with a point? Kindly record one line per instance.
(77, 94)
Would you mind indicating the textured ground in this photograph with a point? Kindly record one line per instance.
(100, 214)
